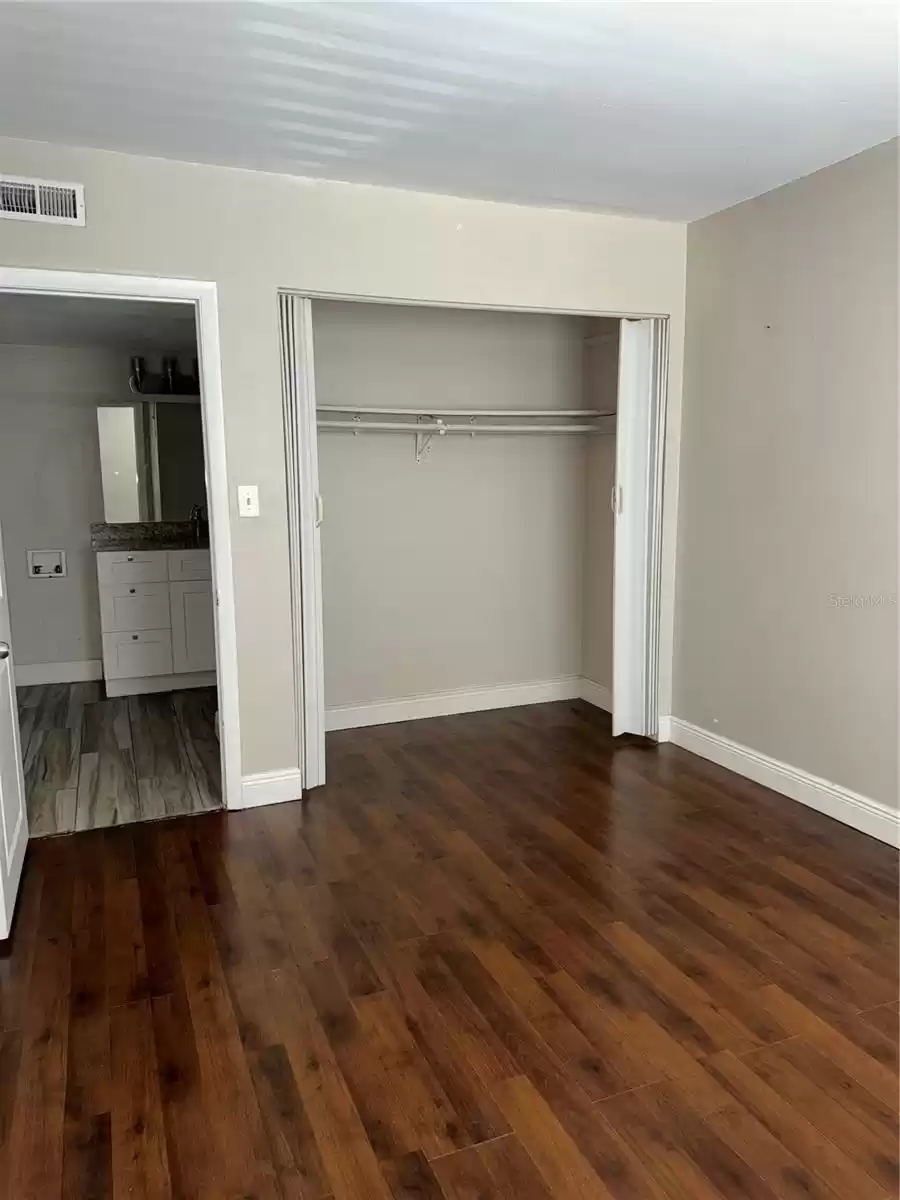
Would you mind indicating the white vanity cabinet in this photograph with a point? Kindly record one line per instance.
(156, 616)
(193, 632)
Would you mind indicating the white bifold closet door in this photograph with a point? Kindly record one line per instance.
(637, 503)
(304, 521)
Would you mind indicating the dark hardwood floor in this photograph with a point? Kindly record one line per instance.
(497, 956)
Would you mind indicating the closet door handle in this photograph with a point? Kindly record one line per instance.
(320, 509)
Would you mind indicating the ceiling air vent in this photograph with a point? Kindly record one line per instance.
(41, 200)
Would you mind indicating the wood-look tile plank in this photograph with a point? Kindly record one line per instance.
(885, 1018)
(874, 1152)
(140, 1161)
(27, 718)
(30, 695)
(194, 1164)
(233, 1110)
(791, 1128)
(35, 1154)
(17, 952)
(199, 749)
(773, 1162)
(561, 1164)
(53, 707)
(875, 1076)
(294, 1151)
(665, 1155)
(464, 1176)
(411, 1178)
(107, 784)
(478, 1119)
(154, 735)
(350, 1163)
(512, 1173)
(10, 1066)
(88, 1159)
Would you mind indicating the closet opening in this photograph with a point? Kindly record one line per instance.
(475, 505)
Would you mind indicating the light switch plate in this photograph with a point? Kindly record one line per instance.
(248, 500)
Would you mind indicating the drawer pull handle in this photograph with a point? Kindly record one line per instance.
(131, 591)
(130, 558)
(134, 637)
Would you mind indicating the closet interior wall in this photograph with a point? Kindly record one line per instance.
(489, 563)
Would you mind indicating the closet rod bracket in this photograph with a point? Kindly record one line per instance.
(424, 440)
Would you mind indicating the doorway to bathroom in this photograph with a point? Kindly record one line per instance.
(111, 560)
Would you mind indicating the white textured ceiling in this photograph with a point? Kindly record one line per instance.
(132, 326)
(667, 109)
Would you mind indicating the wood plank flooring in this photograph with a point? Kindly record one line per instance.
(499, 955)
(91, 762)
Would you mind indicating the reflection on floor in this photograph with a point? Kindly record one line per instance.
(91, 762)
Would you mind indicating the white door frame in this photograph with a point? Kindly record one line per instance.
(304, 513)
(26, 280)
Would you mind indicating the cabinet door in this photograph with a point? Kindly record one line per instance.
(189, 564)
(132, 566)
(125, 607)
(137, 655)
(193, 631)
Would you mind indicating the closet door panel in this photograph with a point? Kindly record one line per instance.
(304, 535)
(636, 501)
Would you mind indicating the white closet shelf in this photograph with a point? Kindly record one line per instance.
(462, 412)
(429, 424)
(443, 427)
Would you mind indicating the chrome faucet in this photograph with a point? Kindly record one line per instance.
(196, 519)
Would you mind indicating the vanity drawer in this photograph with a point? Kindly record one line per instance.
(126, 607)
(189, 564)
(132, 566)
(135, 655)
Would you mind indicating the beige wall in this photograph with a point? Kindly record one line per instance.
(50, 491)
(253, 233)
(466, 569)
(789, 476)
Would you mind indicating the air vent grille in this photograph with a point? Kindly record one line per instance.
(41, 200)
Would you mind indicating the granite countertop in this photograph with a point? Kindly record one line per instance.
(146, 535)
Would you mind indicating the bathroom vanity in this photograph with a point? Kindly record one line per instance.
(156, 618)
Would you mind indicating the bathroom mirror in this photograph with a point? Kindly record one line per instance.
(151, 460)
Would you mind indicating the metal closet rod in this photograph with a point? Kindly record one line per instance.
(442, 428)
(463, 412)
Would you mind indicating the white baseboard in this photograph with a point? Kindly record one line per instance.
(860, 812)
(596, 694)
(31, 674)
(270, 787)
(143, 684)
(446, 704)
(665, 730)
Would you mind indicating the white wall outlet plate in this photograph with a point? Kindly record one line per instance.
(248, 500)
